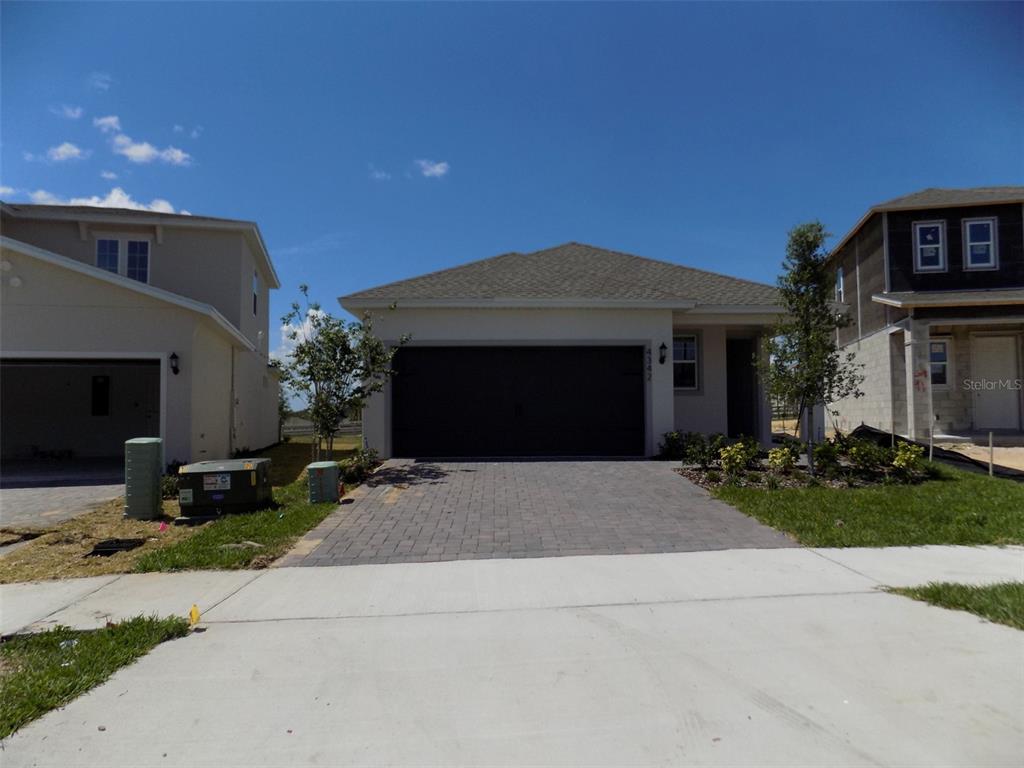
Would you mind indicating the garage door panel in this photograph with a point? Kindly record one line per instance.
(518, 401)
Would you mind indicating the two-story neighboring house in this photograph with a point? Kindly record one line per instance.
(934, 286)
(117, 324)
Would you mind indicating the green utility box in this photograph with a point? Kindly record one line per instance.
(323, 482)
(209, 489)
(142, 464)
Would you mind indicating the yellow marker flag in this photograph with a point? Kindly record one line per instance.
(193, 615)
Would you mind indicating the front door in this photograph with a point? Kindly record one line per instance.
(741, 387)
(995, 383)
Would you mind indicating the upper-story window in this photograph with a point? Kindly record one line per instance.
(840, 287)
(137, 267)
(255, 292)
(980, 246)
(108, 255)
(684, 362)
(929, 246)
(136, 262)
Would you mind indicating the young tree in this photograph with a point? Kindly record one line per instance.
(802, 364)
(334, 364)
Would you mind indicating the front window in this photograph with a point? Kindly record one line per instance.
(929, 246)
(684, 362)
(980, 244)
(107, 255)
(255, 291)
(840, 287)
(137, 267)
(938, 356)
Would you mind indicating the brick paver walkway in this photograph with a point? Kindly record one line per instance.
(427, 511)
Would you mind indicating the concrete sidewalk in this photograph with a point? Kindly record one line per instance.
(766, 657)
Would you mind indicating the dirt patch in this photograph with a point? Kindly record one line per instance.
(1003, 457)
(59, 553)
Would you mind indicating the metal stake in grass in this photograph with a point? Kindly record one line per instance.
(991, 454)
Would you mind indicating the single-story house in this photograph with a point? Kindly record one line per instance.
(569, 351)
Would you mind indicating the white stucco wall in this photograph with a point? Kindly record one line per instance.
(647, 328)
(55, 312)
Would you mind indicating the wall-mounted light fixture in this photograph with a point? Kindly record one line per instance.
(662, 353)
(174, 363)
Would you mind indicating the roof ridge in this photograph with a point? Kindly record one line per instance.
(435, 272)
(668, 264)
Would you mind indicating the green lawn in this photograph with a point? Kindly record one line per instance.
(955, 508)
(1001, 603)
(40, 672)
(229, 542)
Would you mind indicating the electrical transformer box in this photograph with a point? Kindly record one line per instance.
(213, 488)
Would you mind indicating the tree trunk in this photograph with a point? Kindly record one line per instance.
(810, 440)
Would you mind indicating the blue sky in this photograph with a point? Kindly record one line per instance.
(373, 142)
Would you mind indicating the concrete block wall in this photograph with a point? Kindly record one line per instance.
(875, 407)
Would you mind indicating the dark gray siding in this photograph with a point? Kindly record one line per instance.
(1011, 250)
(866, 250)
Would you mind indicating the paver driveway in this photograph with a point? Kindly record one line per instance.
(426, 511)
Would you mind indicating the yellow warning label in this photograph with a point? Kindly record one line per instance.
(252, 478)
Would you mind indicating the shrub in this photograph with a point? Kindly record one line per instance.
(826, 458)
(908, 459)
(169, 487)
(771, 482)
(713, 476)
(737, 457)
(781, 460)
(703, 451)
(358, 466)
(673, 446)
(869, 457)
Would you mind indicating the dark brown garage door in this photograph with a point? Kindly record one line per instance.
(518, 401)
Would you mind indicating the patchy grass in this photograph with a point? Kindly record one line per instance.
(237, 541)
(251, 540)
(956, 507)
(1002, 603)
(59, 552)
(40, 672)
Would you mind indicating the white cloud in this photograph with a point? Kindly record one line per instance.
(108, 123)
(65, 151)
(108, 175)
(304, 331)
(144, 152)
(115, 198)
(196, 132)
(101, 81)
(6, 191)
(430, 169)
(178, 128)
(378, 175)
(66, 110)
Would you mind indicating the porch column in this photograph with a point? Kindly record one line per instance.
(918, 379)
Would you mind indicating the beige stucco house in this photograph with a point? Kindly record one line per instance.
(568, 351)
(117, 324)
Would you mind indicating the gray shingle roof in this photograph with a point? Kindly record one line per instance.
(937, 197)
(575, 271)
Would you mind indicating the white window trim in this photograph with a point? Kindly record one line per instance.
(122, 252)
(696, 361)
(943, 255)
(840, 285)
(993, 222)
(948, 341)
